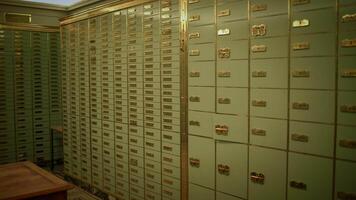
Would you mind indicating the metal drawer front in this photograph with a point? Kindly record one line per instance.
(271, 73)
(269, 26)
(347, 43)
(201, 34)
(201, 16)
(230, 128)
(231, 173)
(269, 47)
(305, 183)
(228, 50)
(346, 143)
(199, 123)
(347, 73)
(262, 8)
(312, 106)
(313, 45)
(301, 5)
(269, 132)
(313, 73)
(231, 10)
(232, 101)
(344, 181)
(201, 52)
(314, 21)
(236, 30)
(311, 138)
(347, 108)
(201, 73)
(232, 73)
(197, 192)
(347, 18)
(200, 99)
(269, 103)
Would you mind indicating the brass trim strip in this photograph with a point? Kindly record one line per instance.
(29, 27)
(101, 10)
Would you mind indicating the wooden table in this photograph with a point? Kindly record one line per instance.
(25, 180)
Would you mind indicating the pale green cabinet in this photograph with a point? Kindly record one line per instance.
(345, 143)
(345, 180)
(198, 192)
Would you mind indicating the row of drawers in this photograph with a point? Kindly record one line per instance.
(304, 137)
(301, 46)
(230, 168)
(273, 73)
(305, 105)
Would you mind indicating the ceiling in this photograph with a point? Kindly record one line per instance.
(64, 3)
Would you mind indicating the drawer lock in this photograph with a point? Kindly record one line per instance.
(194, 99)
(259, 132)
(224, 52)
(257, 103)
(224, 101)
(194, 162)
(257, 177)
(348, 109)
(349, 74)
(194, 123)
(298, 185)
(222, 32)
(300, 106)
(221, 129)
(194, 18)
(349, 18)
(259, 48)
(351, 144)
(224, 169)
(194, 52)
(194, 74)
(224, 74)
(301, 74)
(301, 23)
(259, 74)
(194, 35)
(301, 46)
(300, 138)
(224, 13)
(348, 43)
(259, 30)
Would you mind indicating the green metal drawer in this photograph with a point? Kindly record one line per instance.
(261, 8)
(269, 73)
(201, 34)
(153, 165)
(345, 148)
(153, 176)
(232, 101)
(269, 26)
(223, 196)
(199, 123)
(269, 47)
(152, 134)
(306, 183)
(271, 103)
(152, 155)
(347, 20)
(122, 189)
(312, 106)
(201, 166)
(347, 73)
(171, 137)
(229, 50)
(269, 132)
(345, 180)
(313, 73)
(231, 173)
(347, 43)
(151, 188)
(201, 16)
(266, 164)
(201, 73)
(200, 98)
(232, 73)
(170, 148)
(171, 171)
(346, 108)
(198, 192)
(152, 144)
(301, 5)
(232, 31)
(201, 52)
(313, 45)
(315, 21)
(317, 139)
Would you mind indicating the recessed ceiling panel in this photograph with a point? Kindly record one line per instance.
(57, 2)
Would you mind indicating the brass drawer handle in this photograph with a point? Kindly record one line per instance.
(259, 48)
(224, 169)
(259, 132)
(222, 32)
(300, 106)
(221, 130)
(194, 99)
(301, 46)
(347, 43)
(194, 74)
(257, 177)
(298, 185)
(300, 138)
(194, 123)
(348, 108)
(224, 13)
(301, 23)
(349, 74)
(194, 52)
(301, 74)
(169, 182)
(346, 196)
(259, 74)
(351, 144)
(168, 137)
(224, 52)
(259, 30)
(194, 162)
(194, 35)
(258, 7)
(194, 18)
(224, 101)
(166, 148)
(193, 1)
(349, 18)
(257, 103)
(168, 171)
(224, 74)
(300, 2)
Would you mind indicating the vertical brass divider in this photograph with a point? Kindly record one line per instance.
(249, 99)
(336, 92)
(184, 99)
(216, 90)
(288, 92)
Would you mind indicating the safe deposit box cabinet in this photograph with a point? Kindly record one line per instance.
(212, 99)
